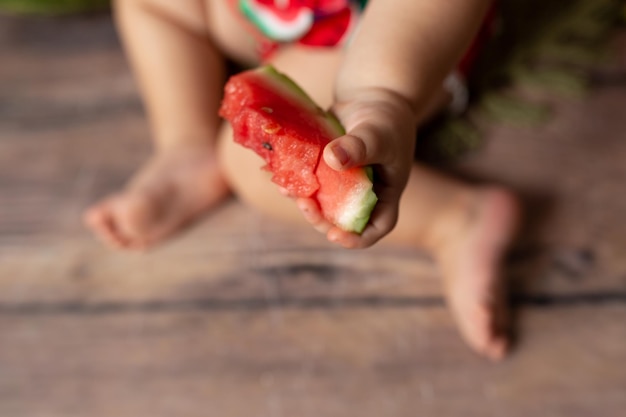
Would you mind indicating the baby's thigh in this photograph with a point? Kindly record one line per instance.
(250, 183)
(189, 15)
(314, 69)
(229, 33)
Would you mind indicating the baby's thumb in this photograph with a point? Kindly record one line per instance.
(359, 147)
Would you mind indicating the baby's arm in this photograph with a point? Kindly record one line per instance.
(397, 61)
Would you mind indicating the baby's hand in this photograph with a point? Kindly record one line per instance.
(380, 131)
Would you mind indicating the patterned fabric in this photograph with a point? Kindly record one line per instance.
(307, 22)
(324, 23)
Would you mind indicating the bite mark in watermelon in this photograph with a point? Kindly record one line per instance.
(274, 117)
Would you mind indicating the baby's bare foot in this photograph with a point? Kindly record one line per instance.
(174, 188)
(470, 260)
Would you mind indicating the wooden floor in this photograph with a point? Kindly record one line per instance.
(243, 316)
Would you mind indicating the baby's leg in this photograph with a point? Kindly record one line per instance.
(180, 73)
(466, 228)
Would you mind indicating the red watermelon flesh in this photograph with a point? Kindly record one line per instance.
(274, 117)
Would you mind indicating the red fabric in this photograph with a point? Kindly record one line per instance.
(485, 33)
(333, 19)
(328, 30)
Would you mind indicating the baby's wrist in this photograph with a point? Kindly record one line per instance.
(379, 96)
(384, 108)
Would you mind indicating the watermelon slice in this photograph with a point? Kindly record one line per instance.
(274, 117)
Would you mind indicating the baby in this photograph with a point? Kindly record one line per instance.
(381, 67)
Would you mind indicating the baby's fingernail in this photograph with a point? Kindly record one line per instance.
(340, 154)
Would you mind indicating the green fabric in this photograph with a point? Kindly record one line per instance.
(52, 6)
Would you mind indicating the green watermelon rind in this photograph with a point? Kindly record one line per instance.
(359, 219)
(289, 85)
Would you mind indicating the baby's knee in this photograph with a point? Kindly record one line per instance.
(250, 183)
(242, 167)
(189, 15)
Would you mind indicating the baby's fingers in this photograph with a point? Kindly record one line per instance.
(311, 212)
(382, 221)
(283, 191)
(364, 145)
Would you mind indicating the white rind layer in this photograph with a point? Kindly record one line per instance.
(357, 208)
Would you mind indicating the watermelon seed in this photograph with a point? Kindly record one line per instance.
(272, 128)
(267, 146)
(267, 109)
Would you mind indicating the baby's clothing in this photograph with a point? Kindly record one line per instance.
(317, 23)
(330, 23)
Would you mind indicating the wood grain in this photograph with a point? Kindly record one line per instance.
(246, 316)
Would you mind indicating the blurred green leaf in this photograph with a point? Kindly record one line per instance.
(53, 7)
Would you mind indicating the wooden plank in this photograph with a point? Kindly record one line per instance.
(245, 316)
(60, 152)
(286, 362)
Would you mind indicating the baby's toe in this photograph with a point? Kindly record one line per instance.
(482, 331)
(102, 220)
